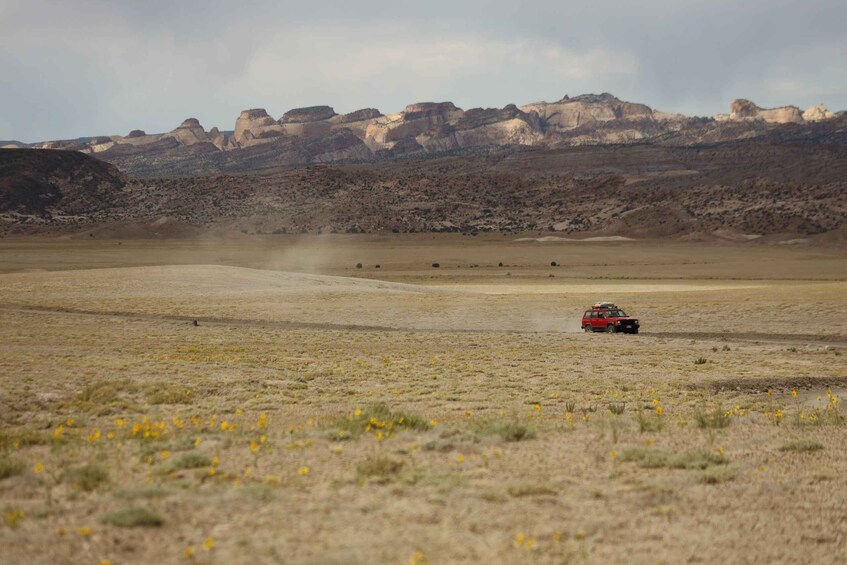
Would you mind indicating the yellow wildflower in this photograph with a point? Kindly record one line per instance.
(208, 544)
(85, 531)
(660, 410)
(794, 392)
(254, 447)
(188, 552)
(519, 539)
(39, 468)
(165, 454)
(613, 454)
(537, 408)
(303, 470)
(59, 431)
(460, 458)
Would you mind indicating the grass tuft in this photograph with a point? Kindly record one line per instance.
(133, 517)
(379, 467)
(9, 467)
(714, 419)
(509, 431)
(802, 446)
(192, 461)
(379, 417)
(655, 459)
(89, 477)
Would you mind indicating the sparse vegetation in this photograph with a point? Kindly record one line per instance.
(802, 446)
(654, 458)
(133, 517)
(9, 467)
(379, 468)
(193, 460)
(290, 408)
(88, 477)
(509, 430)
(714, 419)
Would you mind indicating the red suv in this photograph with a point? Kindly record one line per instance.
(606, 317)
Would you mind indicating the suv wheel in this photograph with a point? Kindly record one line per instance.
(610, 328)
(587, 328)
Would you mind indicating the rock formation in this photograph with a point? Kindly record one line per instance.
(570, 113)
(742, 109)
(189, 132)
(254, 125)
(310, 123)
(817, 113)
(318, 134)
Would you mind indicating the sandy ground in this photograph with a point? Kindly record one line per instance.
(505, 434)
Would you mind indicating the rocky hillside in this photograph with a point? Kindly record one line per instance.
(788, 184)
(54, 187)
(318, 134)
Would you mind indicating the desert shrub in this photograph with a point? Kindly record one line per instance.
(509, 431)
(717, 475)
(89, 477)
(700, 361)
(553, 264)
(101, 397)
(22, 438)
(697, 459)
(528, 489)
(192, 461)
(714, 419)
(649, 422)
(436, 265)
(133, 517)
(358, 265)
(617, 408)
(647, 458)
(9, 467)
(802, 445)
(167, 393)
(143, 492)
(654, 459)
(379, 468)
(379, 417)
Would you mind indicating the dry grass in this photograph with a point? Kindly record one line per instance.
(470, 426)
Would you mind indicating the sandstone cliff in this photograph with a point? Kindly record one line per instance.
(742, 110)
(319, 134)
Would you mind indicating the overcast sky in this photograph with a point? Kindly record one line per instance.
(73, 68)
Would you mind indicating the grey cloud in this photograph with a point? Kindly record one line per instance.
(102, 67)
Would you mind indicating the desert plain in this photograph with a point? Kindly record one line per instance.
(339, 399)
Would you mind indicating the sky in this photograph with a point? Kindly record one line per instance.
(75, 68)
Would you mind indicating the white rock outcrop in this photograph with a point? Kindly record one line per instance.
(817, 113)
